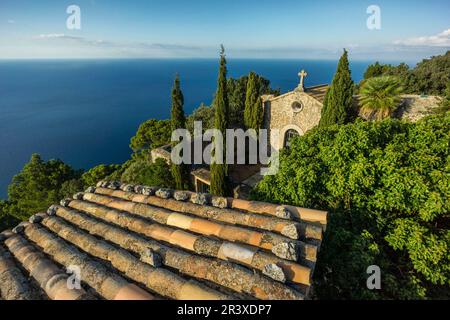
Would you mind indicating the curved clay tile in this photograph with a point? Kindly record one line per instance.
(107, 284)
(159, 280)
(13, 283)
(50, 277)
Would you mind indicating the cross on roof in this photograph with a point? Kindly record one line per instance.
(302, 74)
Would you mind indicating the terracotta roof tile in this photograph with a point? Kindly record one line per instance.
(318, 92)
(130, 245)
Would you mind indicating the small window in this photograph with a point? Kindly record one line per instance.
(297, 106)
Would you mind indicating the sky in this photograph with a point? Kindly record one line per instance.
(314, 29)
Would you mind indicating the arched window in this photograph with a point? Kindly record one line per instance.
(288, 136)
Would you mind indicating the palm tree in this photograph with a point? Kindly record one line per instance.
(380, 96)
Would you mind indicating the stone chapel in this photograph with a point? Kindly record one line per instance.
(293, 113)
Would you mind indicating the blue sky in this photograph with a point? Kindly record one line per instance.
(410, 30)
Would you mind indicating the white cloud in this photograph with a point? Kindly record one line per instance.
(10, 21)
(440, 40)
(51, 36)
(63, 39)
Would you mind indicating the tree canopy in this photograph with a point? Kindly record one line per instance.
(141, 170)
(100, 172)
(38, 185)
(430, 76)
(338, 103)
(151, 134)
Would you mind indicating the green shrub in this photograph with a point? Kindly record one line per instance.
(100, 172)
(141, 170)
(386, 186)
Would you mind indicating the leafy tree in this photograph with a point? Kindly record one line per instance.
(180, 173)
(445, 105)
(204, 114)
(429, 76)
(98, 173)
(446, 100)
(237, 89)
(38, 185)
(237, 96)
(385, 185)
(374, 70)
(380, 97)
(141, 170)
(338, 103)
(152, 134)
(219, 172)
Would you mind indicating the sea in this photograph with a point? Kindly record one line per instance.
(84, 112)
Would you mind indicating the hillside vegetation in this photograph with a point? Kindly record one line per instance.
(386, 186)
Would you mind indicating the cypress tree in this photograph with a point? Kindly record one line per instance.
(219, 172)
(338, 103)
(180, 172)
(258, 114)
(251, 98)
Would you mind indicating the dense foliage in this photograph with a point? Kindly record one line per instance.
(380, 97)
(100, 172)
(429, 76)
(152, 134)
(338, 103)
(238, 92)
(445, 106)
(219, 171)
(141, 170)
(204, 114)
(180, 173)
(253, 112)
(39, 185)
(386, 186)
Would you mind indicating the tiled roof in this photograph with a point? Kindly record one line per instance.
(318, 92)
(135, 242)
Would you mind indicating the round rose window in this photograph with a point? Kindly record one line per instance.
(297, 106)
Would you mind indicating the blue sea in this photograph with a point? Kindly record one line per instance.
(84, 112)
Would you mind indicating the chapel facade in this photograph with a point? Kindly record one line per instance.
(293, 113)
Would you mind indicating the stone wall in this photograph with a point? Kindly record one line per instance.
(280, 115)
(162, 153)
